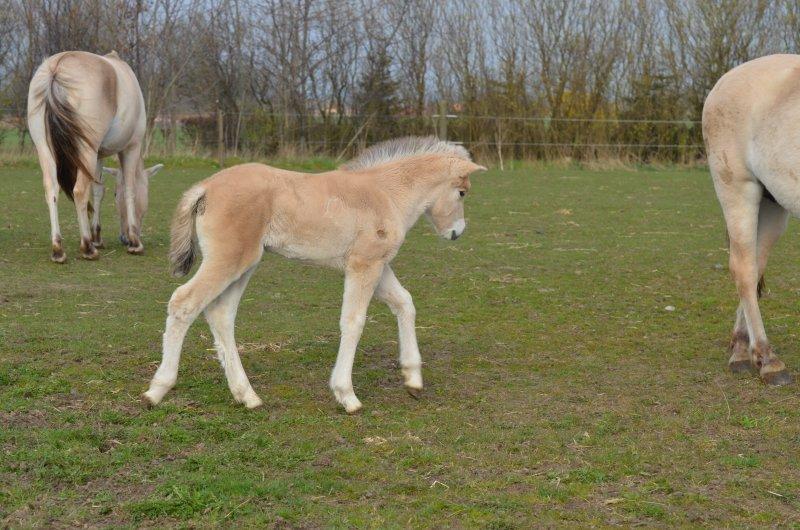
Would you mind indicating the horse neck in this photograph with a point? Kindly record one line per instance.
(410, 183)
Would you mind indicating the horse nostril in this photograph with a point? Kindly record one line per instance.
(453, 235)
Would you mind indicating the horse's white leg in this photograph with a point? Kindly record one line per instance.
(772, 222)
(98, 191)
(48, 164)
(131, 160)
(400, 303)
(359, 286)
(740, 204)
(186, 303)
(81, 193)
(221, 314)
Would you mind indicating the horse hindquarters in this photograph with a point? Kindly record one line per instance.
(751, 233)
(216, 288)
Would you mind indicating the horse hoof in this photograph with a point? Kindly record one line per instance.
(123, 240)
(99, 244)
(148, 401)
(58, 257)
(91, 256)
(138, 250)
(415, 393)
(779, 378)
(741, 367)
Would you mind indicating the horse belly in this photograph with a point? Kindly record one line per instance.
(316, 254)
(775, 162)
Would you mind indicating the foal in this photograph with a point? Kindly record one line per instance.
(750, 128)
(354, 218)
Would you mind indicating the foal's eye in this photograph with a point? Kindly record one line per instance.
(462, 192)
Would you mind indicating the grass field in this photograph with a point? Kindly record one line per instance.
(560, 392)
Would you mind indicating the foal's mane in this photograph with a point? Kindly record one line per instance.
(400, 148)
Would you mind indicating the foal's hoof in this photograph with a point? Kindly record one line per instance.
(148, 400)
(99, 244)
(741, 367)
(780, 378)
(351, 404)
(136, 250)
(58, 256)
(416, 393)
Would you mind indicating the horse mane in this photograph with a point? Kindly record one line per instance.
(400, 148)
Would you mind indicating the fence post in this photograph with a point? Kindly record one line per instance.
(220, 137)
(442, 126)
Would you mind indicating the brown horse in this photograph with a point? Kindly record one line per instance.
(354, 218)
(82, 108)
(750, 126)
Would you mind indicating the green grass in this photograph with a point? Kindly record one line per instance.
(559, 390)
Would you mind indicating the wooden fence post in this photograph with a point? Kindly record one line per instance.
(442, 126)
(220, 138)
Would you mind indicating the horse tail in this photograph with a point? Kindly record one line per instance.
(183, 244)
(64, 132)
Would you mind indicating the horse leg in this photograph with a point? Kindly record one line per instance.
(98, 191)
(359, 286)
(221, 314)
(131, 161)
(772, 222)
(741, 207)
(184, 306)
(48, 164)
(400, 303)
(83, 187)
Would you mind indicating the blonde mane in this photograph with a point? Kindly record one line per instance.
(399, 148)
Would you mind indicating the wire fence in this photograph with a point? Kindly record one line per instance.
(266, 134)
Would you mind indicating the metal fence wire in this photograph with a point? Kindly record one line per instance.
(264, 134)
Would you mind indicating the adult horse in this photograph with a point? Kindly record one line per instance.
(354, 218)
(750, 127)
(82, 108)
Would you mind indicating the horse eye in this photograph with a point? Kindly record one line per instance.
(462, 192)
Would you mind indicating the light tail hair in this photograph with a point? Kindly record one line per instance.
(65, 133)
(183, 236)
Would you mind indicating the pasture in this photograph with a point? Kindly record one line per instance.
(559, 390)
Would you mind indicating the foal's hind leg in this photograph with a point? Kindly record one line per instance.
(400, 303)
(186, 303)
(740, 207)
(772, 221)
(221, 314)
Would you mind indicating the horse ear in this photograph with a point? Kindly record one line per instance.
(464, 168)
(153, 170)
(114, 172)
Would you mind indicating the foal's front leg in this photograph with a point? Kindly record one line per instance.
(400, 303)
(359, 285)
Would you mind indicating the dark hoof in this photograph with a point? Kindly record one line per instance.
(416, 393)
(124, 240)
(741, 367)
(146, 401)
(99, 244)
(780, 378)
(58, 257)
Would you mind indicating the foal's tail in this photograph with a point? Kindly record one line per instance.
(183, 244)
(65, 131)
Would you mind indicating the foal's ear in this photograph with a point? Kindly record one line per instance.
(149, 172)
(464, 168)
(114, 172)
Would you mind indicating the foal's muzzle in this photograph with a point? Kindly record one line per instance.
(455, 231)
